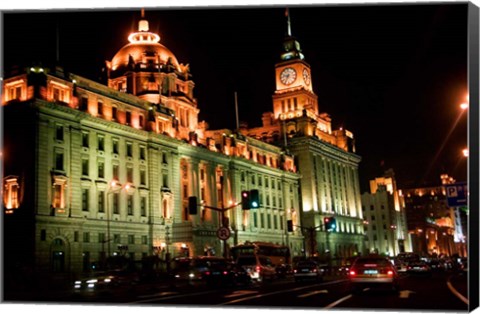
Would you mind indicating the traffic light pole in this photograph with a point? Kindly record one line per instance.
(223, 224)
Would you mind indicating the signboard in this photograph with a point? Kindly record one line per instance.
(457, 194)
(223, 233)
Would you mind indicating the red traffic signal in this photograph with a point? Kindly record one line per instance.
(245, 199)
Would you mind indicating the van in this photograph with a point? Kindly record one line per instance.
(259, 267)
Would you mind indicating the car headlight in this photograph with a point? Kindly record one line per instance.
(191, 275)
(107, 280)
(92, 281)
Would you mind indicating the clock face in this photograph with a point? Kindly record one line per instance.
(288, 76)
(306, 76)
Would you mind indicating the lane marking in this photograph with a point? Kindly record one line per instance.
(171, 297)
(160, 294)
(312, 293)
(455, 292)
(240, 293)
(338, 301)
(281, 291)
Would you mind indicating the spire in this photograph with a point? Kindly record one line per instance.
(289, 27)
(291, 47)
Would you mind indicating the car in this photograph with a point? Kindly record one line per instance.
(259, 267)
(373, 271)
(105, 283)
(419, 268)
(308, 270)
(195, 271)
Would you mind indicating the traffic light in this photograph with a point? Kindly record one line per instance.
(330, 223)
(326, 222)
(245, 199)
(290, 225)
(254, 199)
(333, 224)
(192, 205)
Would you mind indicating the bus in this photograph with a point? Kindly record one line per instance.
(278, 254)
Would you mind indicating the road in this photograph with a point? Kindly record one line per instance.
(415, 293)
(444, 291)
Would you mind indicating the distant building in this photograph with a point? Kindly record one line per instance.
(92, 171)
(435, 228)
(325, 158)
(385, 218)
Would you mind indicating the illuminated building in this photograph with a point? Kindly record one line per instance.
(326, 158)
(384, 218)
(93, 171)
(434, 227)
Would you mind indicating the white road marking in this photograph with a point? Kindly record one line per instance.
(240, 293)
(312, 293)
(160, 294)
(338, 301)
(455, 292)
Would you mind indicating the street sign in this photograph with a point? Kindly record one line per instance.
(223, 233)
(457, 194)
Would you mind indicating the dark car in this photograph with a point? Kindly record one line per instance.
(308, 270)
(373, 271)
(419, 268)
(198, 270)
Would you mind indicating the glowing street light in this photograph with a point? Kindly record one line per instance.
(464, 106)
(465, 152)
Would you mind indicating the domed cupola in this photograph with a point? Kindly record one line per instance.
(143, 53)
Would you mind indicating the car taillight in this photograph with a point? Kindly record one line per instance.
(225, 272)
(314, 270)
(294, 270)
(352, 273)
(207, 273)
(257, 268)
(390, 272)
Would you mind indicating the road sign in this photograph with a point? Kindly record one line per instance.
(457, 194)
(223, 233)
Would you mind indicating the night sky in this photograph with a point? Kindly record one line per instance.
(394, 75)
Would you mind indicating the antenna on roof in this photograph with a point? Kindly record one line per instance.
(236, 112)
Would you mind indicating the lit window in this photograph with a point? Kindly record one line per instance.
(59, 185)
(11, 197)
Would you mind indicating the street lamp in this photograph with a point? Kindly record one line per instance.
(465, 152)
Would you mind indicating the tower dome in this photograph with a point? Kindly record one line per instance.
(144, 51)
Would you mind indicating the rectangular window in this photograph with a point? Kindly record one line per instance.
(100, 108)
(85, 140)
(142, 153)
(165, 180)
(255, 222)
(101, 170)
(43, 235)
(130, 175)
(84, 104)
(59, 161)
(101, 201)
(143, 177)
(129, 149)
(143, 206)
(101, 238)
(115, 146)
(269, 222)
(114, 113)
(84, 167)
(116, 238)
(262, 220)
(85, 200)
(144, 240)
(130, 204)
(116, 203)
(275, 223)
(131, 239)
(86, 237)
(101, 143)
(129, 118)
(115, 172)
(75, 236)
(140, 121)
(59, 133)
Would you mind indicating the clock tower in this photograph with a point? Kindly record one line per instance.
(294, 92)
